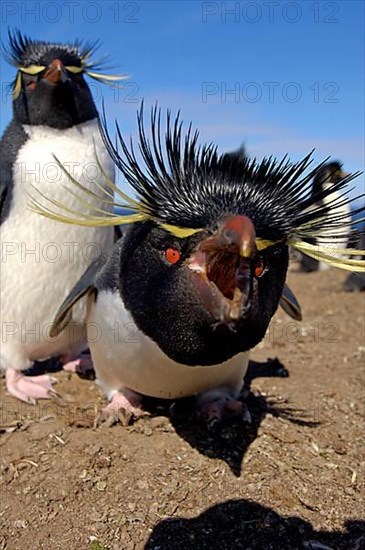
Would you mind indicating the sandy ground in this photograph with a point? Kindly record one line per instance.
(293, 479)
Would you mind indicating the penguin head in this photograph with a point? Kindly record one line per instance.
(206, 297)
(50, 88)
(331, 173)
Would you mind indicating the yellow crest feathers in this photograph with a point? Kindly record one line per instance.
(186, 188)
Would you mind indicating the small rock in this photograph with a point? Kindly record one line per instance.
(20, 523)
(100, 486)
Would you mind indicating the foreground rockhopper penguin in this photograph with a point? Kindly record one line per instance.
(190, 288)
(41, 260)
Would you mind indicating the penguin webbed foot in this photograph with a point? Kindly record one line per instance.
(29, 388)
(124, 407)
(217, 406)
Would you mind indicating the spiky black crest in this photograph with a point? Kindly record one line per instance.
(22, 51)
(192, 186)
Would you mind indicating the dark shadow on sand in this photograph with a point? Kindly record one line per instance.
(246, 525)
(232, 439)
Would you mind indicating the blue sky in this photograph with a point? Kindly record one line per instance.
(283, 77)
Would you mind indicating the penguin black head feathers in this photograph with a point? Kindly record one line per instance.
(49, 88)
(186, 188)
(329, 174)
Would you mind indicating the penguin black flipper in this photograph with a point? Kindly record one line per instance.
(3, 188)
(6, 188)
(12, 140)
(290, 304)
(96, 277)
(83, 286)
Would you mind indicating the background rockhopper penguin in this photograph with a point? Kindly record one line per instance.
(53, 114)
(330, 174)
(199, 272)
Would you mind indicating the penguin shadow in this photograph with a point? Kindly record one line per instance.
(231, 439)
(244, 524)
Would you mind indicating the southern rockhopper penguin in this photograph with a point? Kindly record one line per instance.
(190, 288)
(330, 174)
(41, 260)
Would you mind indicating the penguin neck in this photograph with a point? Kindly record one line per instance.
(324, 186)
(40, 131)
(327, 185)
(53, 122)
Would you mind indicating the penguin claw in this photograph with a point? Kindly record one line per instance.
(29, 388)
(123, 408)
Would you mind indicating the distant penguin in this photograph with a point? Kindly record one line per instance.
(54, 115)
(330, 174)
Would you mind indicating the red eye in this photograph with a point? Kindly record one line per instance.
(32, 85)
(172, 255)
(260, 268)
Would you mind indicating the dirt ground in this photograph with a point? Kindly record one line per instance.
(293, 479)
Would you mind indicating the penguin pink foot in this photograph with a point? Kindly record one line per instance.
(82, 366)
(218, 405)
(123, 407)
(29, 388)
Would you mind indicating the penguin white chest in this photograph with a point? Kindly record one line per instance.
(123, 356)
(42, 259)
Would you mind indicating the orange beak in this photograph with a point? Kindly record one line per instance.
(56, 72)
(221, 269)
